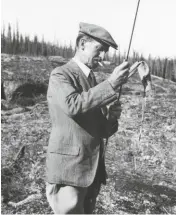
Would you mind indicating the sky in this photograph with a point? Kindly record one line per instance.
(58, 20)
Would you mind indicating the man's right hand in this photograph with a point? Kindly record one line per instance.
(119, 75)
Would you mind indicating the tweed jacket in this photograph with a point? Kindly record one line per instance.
(78, 125)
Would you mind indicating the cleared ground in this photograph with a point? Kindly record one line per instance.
(142, 175)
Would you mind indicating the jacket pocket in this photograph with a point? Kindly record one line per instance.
(66, 150)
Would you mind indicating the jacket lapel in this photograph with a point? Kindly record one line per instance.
(81, 76)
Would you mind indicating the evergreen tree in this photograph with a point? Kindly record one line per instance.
(8, 48)
(29, 51)
(35, 46)
(26, 39)
(45, 53)
(14, 43)
(42, 46)
(21, 45)
(17, 41)
(165, 68)
(3, 40)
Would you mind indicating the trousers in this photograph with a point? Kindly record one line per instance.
(65, 199)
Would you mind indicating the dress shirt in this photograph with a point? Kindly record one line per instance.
(86, 70)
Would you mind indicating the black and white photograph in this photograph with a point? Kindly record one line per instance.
(88, 107)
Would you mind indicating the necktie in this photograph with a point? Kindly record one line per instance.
(92, 79)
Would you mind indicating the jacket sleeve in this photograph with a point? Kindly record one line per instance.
(71, 100)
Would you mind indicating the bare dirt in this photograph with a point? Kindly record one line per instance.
(142, 175)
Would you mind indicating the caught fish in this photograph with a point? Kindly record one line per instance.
(143, 70)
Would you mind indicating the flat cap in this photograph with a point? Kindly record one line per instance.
(98, 33)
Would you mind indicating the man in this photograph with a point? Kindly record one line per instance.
(75, 162)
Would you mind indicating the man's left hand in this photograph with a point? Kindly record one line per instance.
(114, 111)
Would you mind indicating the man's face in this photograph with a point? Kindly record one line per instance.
(94, 52)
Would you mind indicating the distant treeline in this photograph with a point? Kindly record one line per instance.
(12, 42)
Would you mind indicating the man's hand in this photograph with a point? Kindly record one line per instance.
(113, 114)
(119, 75)
(114, 111)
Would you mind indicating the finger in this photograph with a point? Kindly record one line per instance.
(123, 72)
(123, 65)
(116, 108)
(135, 65)
(115, 116)
(116, 113)
(134, 68)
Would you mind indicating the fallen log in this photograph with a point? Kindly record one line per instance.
(29, 199)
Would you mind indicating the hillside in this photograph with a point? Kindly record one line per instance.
(142, 175)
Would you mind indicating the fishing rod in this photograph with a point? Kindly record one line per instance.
(126, 59)
(129, 46)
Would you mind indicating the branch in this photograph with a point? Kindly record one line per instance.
(27, 200)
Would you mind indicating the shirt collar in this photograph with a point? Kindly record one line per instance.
(86, 70)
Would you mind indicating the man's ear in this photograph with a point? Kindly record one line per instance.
(82, 43)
